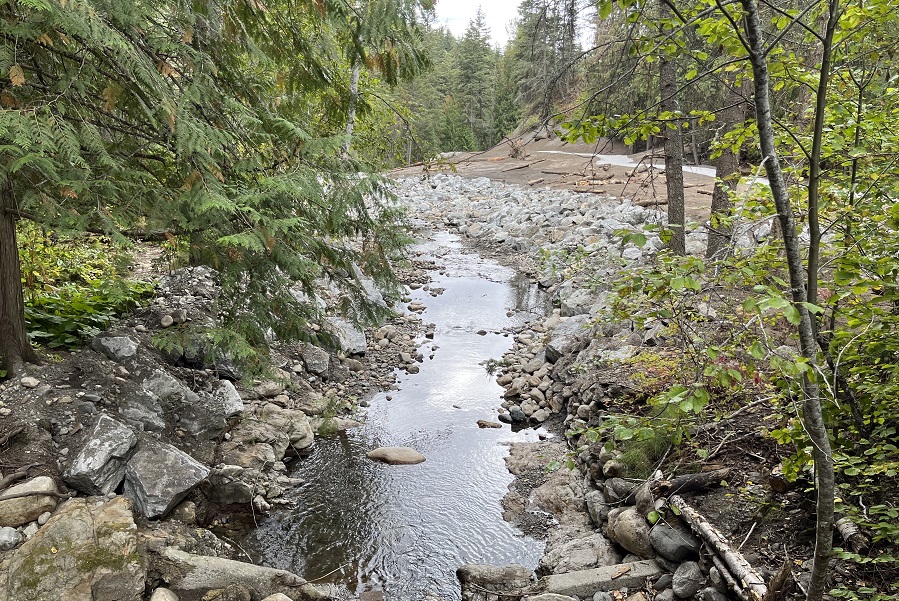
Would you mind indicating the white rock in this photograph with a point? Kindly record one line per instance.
(29, 382)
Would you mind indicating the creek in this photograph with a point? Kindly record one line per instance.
(404, 530)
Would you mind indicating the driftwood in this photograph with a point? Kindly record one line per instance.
(551, 172)
(752, 584)
(651, 203)
(689, 482)
(516, 167)
(14, 477)
(854, 537)
(534, 182)
(38, 493)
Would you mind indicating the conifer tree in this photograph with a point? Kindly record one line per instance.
(195, 119)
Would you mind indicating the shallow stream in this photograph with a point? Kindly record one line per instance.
(404, 530)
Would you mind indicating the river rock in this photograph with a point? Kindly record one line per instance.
(278, 597)
(567, 337)
(163, 594)
(317, 360)
(687, 580)
(117, 348)
(292, 422)
(88, 550)
(483, 423)
(100, 465)
(9, 538)
(15, 512)
(29, 382)
(170, 389)
(396, 455)
(579, 554)
(159, 475)
(196, 574)
(494, 578)
(674, 543)
(597, 507)
(629, 529)
(143, 411)
(549, 597)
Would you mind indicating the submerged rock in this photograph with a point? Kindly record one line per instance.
(396, 455)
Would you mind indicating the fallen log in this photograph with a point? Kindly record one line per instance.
(551, 172)
(689, 482)
(516, 167)
(651, 203)
(534, 182)
(748, 579)
(850, 533)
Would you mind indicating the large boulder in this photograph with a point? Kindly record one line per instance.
(15, 512)
(87, 550)
(196, 574)
(350, 337)
(317, 360)
(567, 337)
(143, 411)
(159, 475)
(674, 543)
(630, 530)
(99, 466)
(396, 455)
(579, 554)
(117, 348)
(292, 422)
(502, 579)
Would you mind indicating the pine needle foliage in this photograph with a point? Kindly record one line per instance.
(199, 119)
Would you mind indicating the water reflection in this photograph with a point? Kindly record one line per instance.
(405, 529)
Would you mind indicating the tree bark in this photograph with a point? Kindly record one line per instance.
(15, 350)
(749, 580)
(351, 110)
(727, 175)
(812, 416)
(674, 148)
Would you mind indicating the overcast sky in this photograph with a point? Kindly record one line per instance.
(456, 14)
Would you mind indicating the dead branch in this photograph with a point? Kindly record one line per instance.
(20, 474)
(690, 482)
(38, 493)
(516, 167)
(748, 579)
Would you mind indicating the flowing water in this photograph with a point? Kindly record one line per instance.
(404, 530)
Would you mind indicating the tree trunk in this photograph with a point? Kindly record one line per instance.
(812, 416)
(674, 148)
(351, 110)
(727, 175)
(15, 349)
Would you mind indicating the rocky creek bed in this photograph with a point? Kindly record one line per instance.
(135, 471)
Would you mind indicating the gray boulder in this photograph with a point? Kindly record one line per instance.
(15, 512)
(227, 400)
(687, 580)
(170, 389)
(197, 574)
(317, 360)
(493, 578)
(579, 554)
(143, 411)
(100, 465)
(674, 543)
(351, 338)
(567, 337)
(629, 529)
(117, 348)
(87, 550)
(9, 538)
(158, 476)
(578, 302)
(597, 507)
